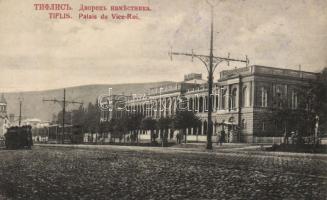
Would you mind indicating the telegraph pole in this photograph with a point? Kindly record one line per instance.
(210, 82)
(64, 103)
(210, 62)
(20, 112)
(63, 116)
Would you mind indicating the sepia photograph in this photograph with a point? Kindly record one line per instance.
(174, 99)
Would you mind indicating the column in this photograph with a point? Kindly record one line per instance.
(252, 95)
(193, 105)
(203, 103)
(228, 97)
(202, 128)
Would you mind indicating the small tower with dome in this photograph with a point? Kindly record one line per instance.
(4, 121)
(3, 105)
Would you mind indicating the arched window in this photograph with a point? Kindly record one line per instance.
(224, 99)
(190, 104)
(196, 104)
(195, 129)
(233, 99)
(294, 103)
(245, 97)
(205, 128)
(263, 126)
(168, 106)
(189, 131)
(279, 97)
(264, 97)
(201, 104)
(206, 104)
(243, 124)
(174, 106)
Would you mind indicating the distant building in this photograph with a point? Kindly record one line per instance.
(244, 101)
(113, 107)
(34, 122)
(4, 120)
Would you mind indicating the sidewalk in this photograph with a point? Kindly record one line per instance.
(244, 149)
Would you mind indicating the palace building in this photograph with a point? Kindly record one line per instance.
(243, 101)
(4, 121)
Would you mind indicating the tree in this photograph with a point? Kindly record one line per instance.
(92, 119)
(134, 125)
(54, 118)
(68, 117)
(298, 120)
(320, 100)
(312, 106)
(150, 124)
(110, 126)
(163, 124)
(121, 127)
(78, 116)
(185, 119)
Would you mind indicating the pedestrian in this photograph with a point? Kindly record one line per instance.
(178, 137)
(293, 137)
(222, 137)
(286, 138)
(218, 139)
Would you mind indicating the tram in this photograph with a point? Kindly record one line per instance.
(73, 134)
(19, 137)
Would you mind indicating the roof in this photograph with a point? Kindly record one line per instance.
(266, 71)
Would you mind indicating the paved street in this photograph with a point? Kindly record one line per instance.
(114, 172)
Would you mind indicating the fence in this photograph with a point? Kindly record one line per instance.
(271, 140)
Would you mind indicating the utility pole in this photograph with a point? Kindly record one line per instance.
(316, 130)
(20, 110)
(64, 103)
(63, 116)
(210, 62)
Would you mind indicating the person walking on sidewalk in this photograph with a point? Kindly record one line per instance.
(222, 137)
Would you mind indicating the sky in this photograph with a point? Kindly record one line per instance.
(37, 53)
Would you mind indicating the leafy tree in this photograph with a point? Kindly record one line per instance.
(134, 125)
(320, 96)
(287, 119)
(78, 116)
(68, 117)
(54, 118)
(150, 124)
(312, 104)
(185, 119)
(110, 127)
(121, 127)
(163, 124)
(92, 119)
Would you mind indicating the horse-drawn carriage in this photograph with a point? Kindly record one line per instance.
(19, 137)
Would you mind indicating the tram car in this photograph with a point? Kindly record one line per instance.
(73, 134)
(19, 137)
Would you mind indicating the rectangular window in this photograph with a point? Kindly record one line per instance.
(263, 126)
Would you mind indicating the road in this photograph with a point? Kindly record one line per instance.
(115, 172)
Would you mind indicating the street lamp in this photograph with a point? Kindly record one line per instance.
(210, 62)
(20, 98)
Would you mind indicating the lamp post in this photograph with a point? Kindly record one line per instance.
(20, 110)
(211, 62)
